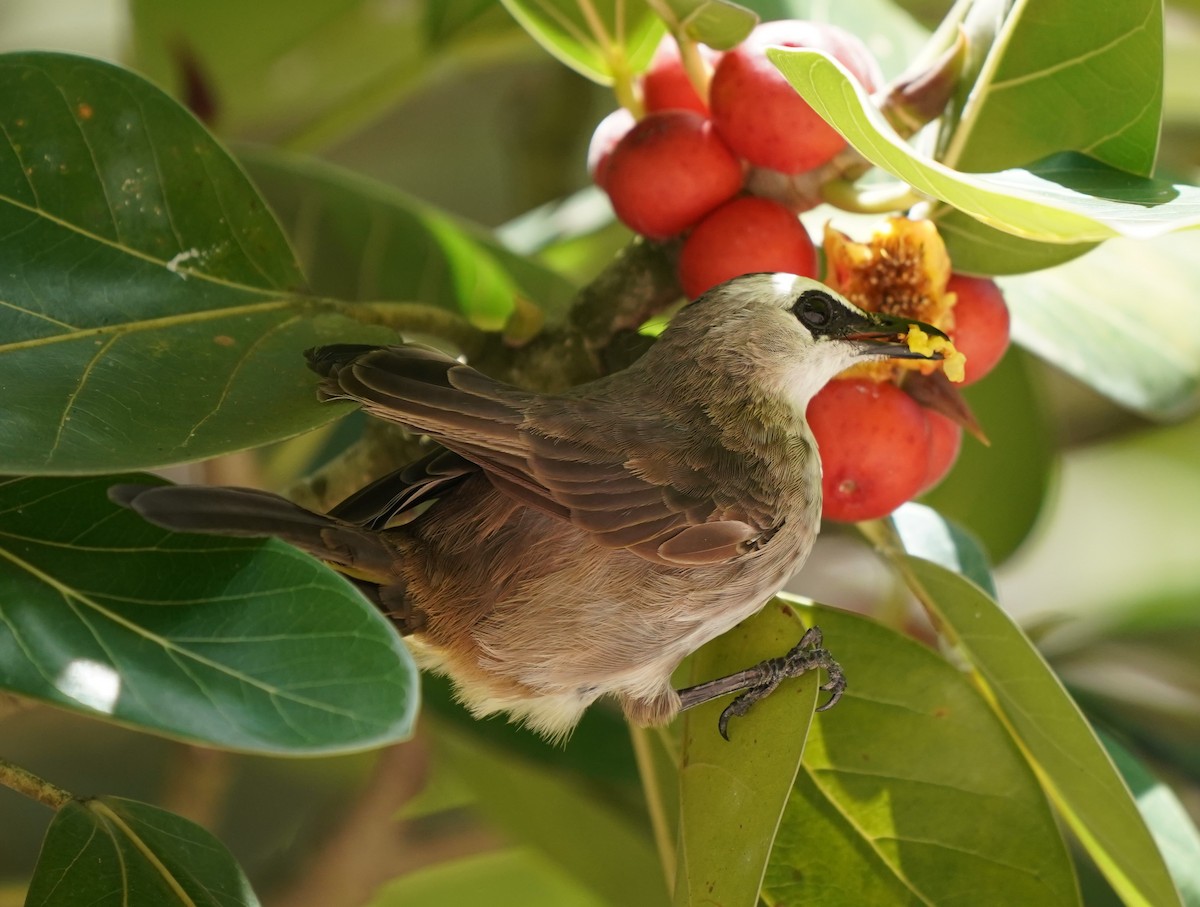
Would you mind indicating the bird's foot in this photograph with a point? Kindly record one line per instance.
(759, 681)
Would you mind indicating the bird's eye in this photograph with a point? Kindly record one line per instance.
(814, 309)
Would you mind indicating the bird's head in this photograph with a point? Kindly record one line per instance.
(791, 332)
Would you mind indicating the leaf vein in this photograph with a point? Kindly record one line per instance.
(25, 171)
(73, 397)
(112, 211)
(227, 387)
(871, 842)
(130, 250)
(167, 645)
(1002, 84)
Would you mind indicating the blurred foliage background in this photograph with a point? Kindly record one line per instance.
(1090, 511)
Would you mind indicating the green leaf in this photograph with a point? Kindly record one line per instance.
(717, 23)
(135, 260)
(504, 878)
(1045, 51)
(1076, 773)
(997, 491)
(231, 642)
(1058, 77)
(112, 851)
(978, 249)
(616, 40)
(579, 828)
(1122, 320)
(363, 240)
(1066, 198)
(1168, 820)
(732, 793)
(926, 533)
(912, 792)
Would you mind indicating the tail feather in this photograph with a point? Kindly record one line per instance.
(247, 512)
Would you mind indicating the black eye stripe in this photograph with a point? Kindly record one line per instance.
(814, 309)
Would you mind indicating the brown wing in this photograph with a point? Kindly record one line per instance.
(395, 497)
(653, 485)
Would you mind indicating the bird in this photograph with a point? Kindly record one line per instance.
(555, 548)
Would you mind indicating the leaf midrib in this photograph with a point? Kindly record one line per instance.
(180, 271)
(69, 593)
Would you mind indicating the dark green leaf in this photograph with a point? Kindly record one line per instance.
(235, 643)
(997, 491)
(1122, 320)
(1076, 773)
(926, 533)
(976, 248)
(1173, 830)
(360, 239)
(732, 793)
(112, 852)
(612, 43)
(136, 260)
(911, 792)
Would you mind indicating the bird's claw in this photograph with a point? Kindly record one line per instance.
(806, 655)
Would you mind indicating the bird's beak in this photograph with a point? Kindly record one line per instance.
(881, 334)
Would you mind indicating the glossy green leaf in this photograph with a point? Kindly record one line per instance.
(136, 260)
(978, 249)
(1077, 774)
(504, 878)
(231, 642)
(580, 829)
(362, 240)
(310, 76)
(1067, 198)
(602, 40)
(1168, 820)
(997, 491)
(1049, 62)
(1043, 52)
(927, 534)
(717, 23)
(732, 793)
(1122, 320)
(112, 852)
(911, 792)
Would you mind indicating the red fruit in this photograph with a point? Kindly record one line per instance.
(945, 439)
(981, 323)
(609, 131)
(874, 444)
(666, 85)
(668, 172)
(743, 236)
(761, 116)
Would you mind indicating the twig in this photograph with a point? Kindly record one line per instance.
(26, 782)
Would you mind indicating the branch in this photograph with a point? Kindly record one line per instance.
(26, 782)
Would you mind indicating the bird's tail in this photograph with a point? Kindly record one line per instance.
(247, 512)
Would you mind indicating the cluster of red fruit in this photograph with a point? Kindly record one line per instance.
(682, 171)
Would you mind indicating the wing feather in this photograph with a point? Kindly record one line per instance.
(651, 485)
